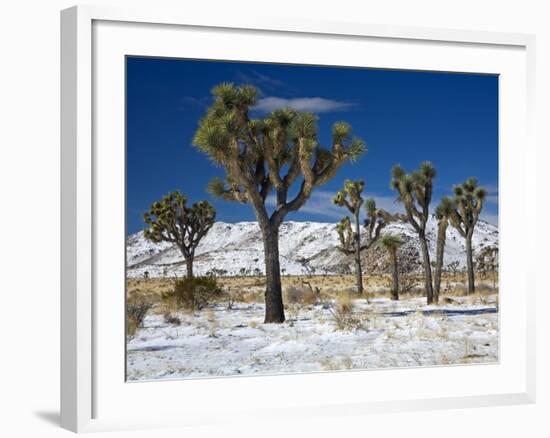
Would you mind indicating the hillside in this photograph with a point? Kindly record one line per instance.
(237, 249)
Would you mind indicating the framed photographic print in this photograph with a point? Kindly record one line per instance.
(334, 217)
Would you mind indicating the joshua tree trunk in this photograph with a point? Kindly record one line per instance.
(439, 260)
(394, 276)
(427, 267)
(189, 264)
(274, 310)
(470, 264)
(357, 239)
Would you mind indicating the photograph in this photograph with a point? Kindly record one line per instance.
(289, 218)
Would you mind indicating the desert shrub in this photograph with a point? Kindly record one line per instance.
(136, 311)
(233, 297)
(193, 293)
(293, 295)
(342, 313)
(297, 295)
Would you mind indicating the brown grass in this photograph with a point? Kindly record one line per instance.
(251, 289)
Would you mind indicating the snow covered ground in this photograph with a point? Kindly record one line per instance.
(225, 342)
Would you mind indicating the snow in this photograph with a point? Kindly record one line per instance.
(238, 248)
(229, 342)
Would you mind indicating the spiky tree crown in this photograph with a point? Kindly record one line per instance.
(345, 234)
(415, 192)
(171, 220)
(376, 220)
(391, 242)
(469, 199)
(254, 152)
(445, 209)
(350, 196)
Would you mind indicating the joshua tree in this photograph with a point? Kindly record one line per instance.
(264, 156)
(415, 193)
(392, 244)
(443, 213)
(469, 198)
(170, 220)
(487, 262)
(350, 241)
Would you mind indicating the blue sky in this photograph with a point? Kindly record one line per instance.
(404, 117)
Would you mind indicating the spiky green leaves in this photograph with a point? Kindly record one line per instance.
(231, 96)
(350, 196)
(391, 242)
(342, 136)
(445, 208)
(414, 192)
(469, 199)
(345, 234)
(341, 132)
(256, 152)
(171, 220)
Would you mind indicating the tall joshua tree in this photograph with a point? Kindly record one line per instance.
(469, 199)
(443, 214)
(350, 240)
(415, 193)
(392, 243)
(268, 155)
(171, 220)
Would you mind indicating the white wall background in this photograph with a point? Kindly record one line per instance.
(29, 214)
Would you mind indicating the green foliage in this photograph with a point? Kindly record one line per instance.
(391, 242)
(468, 203)
(415, 192)
(254, 152)
(445, 208)
(193, 293)
(345, 234)
(350, 196)
(171, 220)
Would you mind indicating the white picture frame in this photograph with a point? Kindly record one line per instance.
(85, 374)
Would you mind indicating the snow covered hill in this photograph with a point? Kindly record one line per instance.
(237, 249)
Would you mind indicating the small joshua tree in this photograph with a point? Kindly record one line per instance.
(487, 262)
(265, 156)
(171, 220)
(443, 213)
(350, 240)
(415, 193)
(469, 198)
(392, 244)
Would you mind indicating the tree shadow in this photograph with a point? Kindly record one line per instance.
(448, 312)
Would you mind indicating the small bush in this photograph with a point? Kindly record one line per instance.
(136, 311)
(293, 295)
(193, 293)
(342, 314)
(296, 295)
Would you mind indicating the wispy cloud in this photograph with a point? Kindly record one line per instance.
(320, 204)
(255, 78)
(313, 104)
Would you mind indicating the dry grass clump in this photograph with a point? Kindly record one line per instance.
(342, 313)
(136, 311)
(300, 295)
